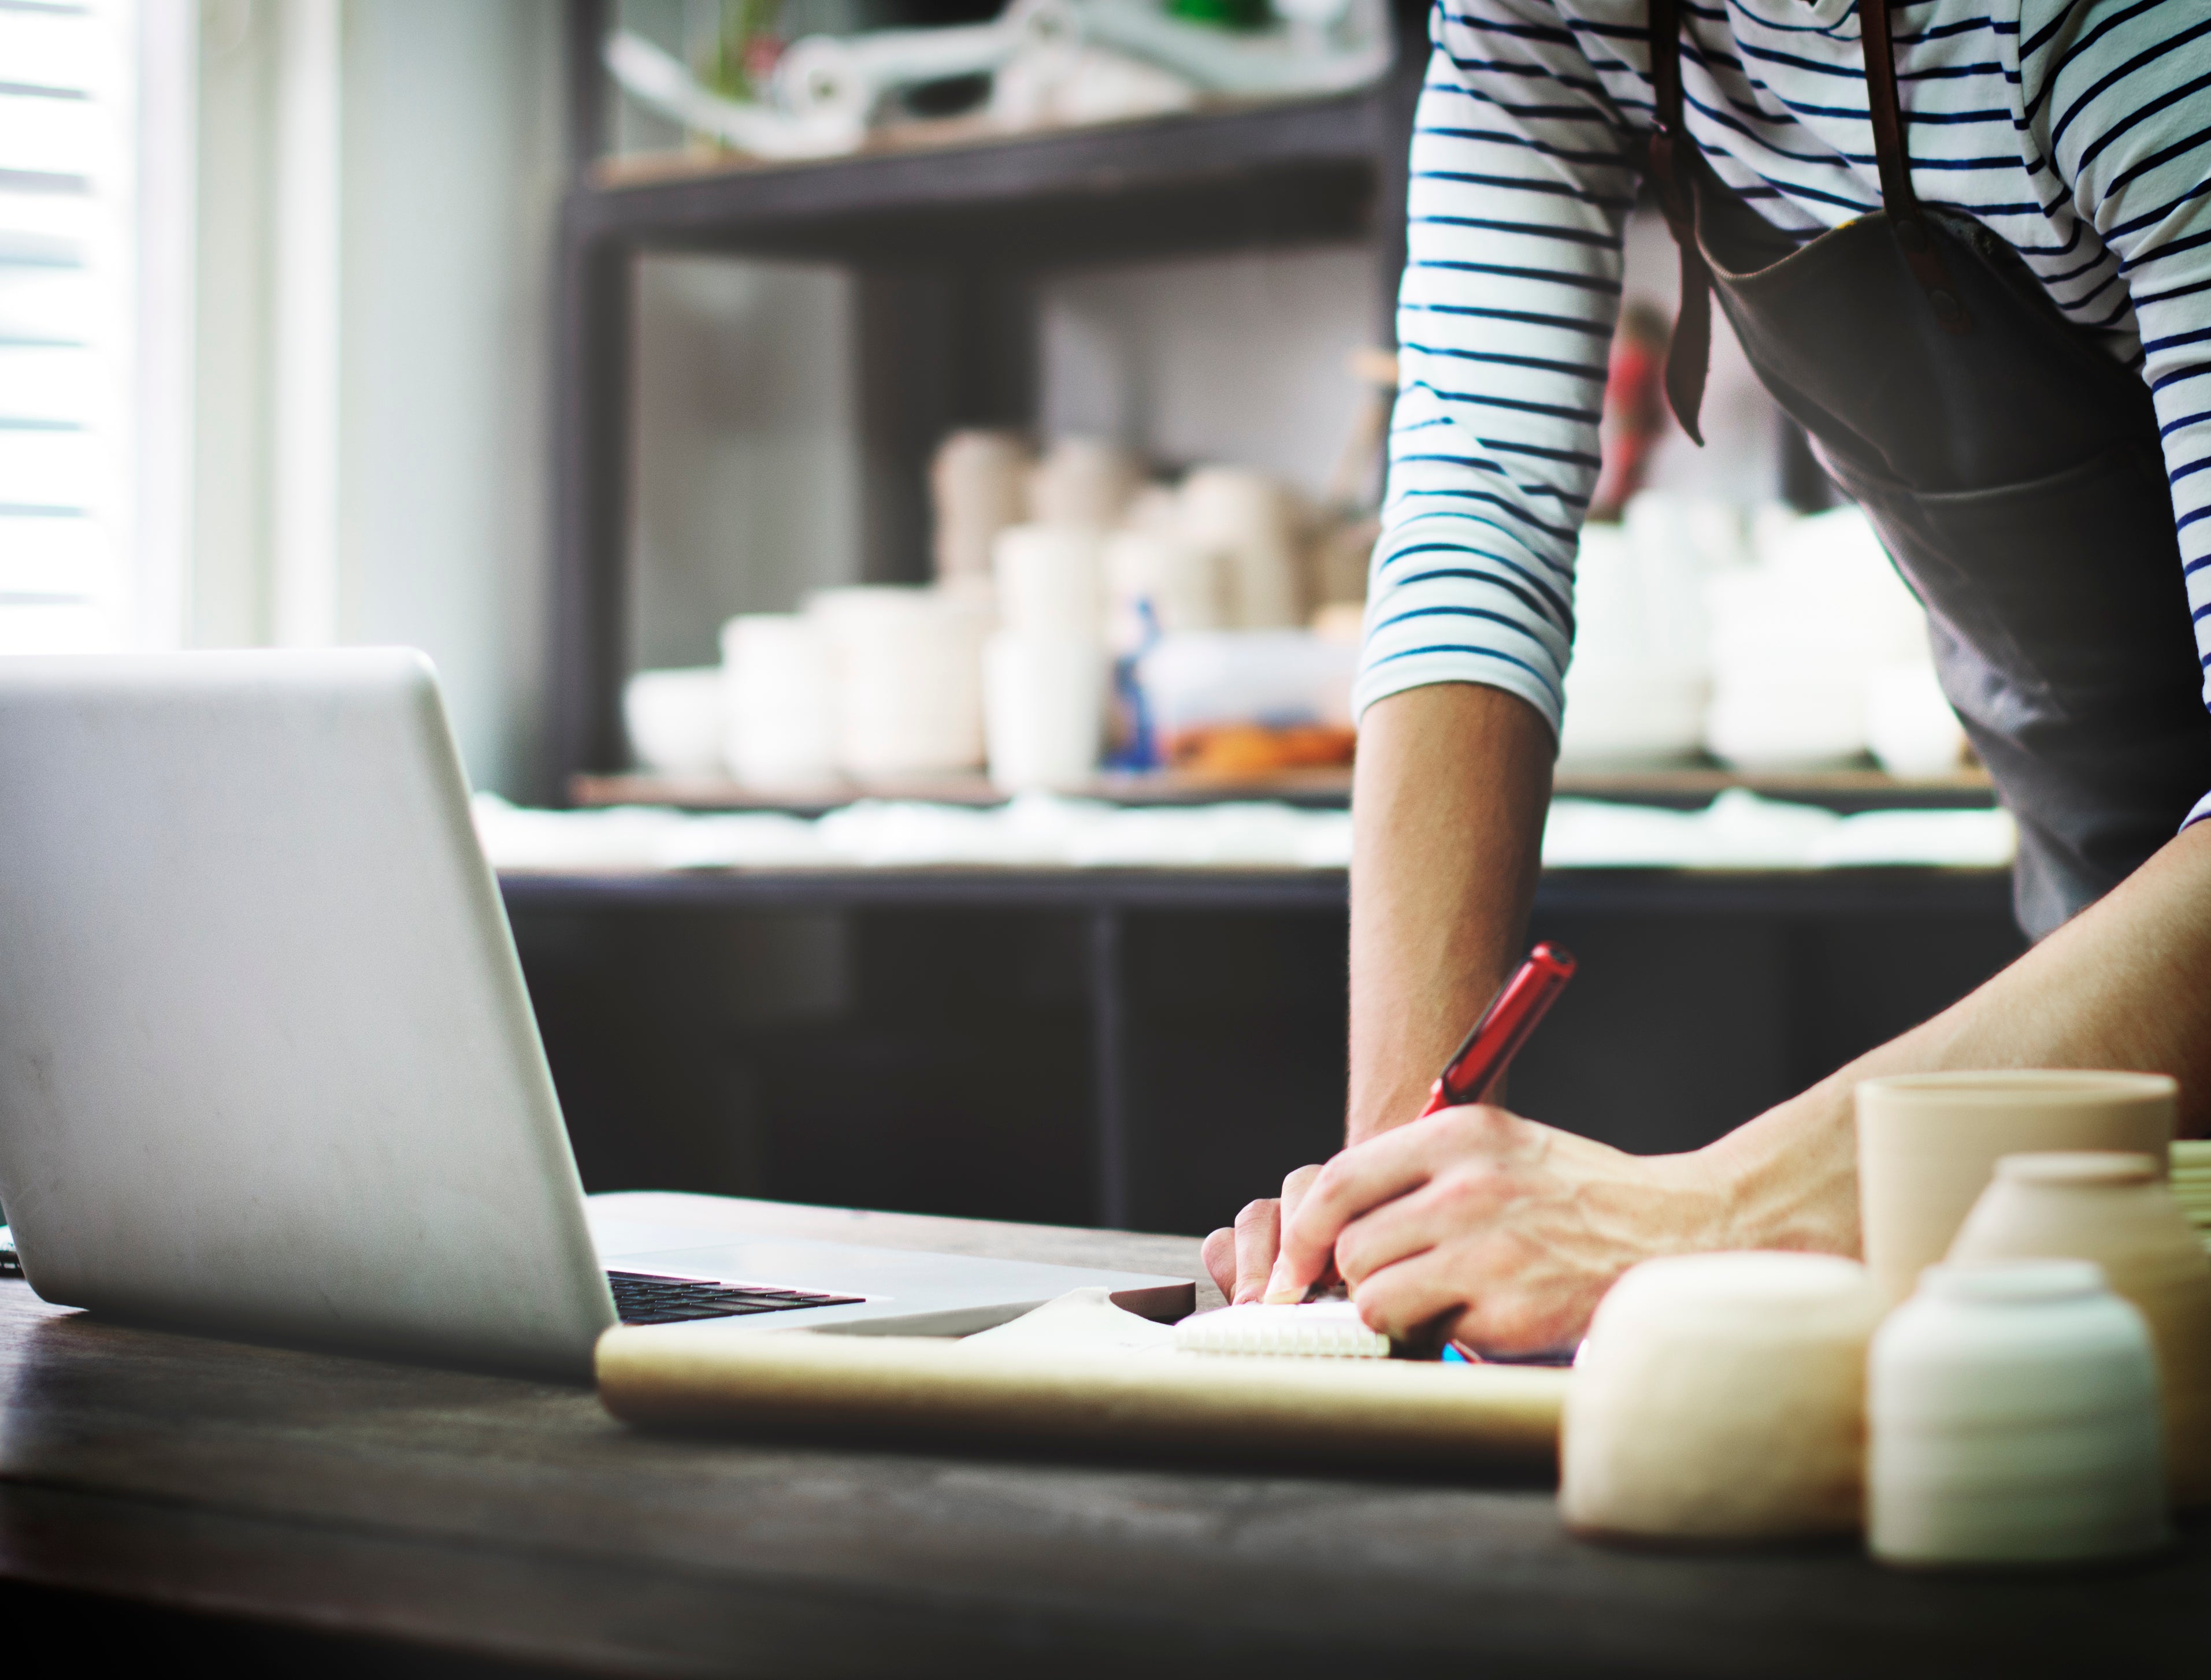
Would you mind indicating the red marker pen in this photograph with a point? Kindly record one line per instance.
(1481, 1058)
(1512, 1017)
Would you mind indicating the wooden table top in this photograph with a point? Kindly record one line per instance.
(513, 1519)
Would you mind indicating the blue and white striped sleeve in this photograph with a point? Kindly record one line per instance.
(1523, 174)
(2116, 97)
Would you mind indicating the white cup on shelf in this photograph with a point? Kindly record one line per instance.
(674, 720)
(909, 679)
(780, 700)
(1044, 710)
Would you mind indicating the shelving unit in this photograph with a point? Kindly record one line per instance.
(1139, 1047)
(946, 243)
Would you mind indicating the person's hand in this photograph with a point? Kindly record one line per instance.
(1495, 1231)
(1241, 1259)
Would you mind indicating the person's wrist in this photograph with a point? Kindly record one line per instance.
(1378, 1112)
(1770, 1184)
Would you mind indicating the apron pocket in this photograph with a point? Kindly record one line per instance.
(2068, 586)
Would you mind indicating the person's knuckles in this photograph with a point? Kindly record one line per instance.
(1478, 1128)
(1470, 1190)
(1266, 1208)
(1331, 1182)
(1218, 1251)
(1365, 1247)
(1296, 1186)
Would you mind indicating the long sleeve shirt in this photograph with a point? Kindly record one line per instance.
(2079, 131)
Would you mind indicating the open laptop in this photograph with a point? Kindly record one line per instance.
(267, 1063)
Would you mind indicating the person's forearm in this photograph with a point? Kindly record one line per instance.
(1452, 783)
(2126, 984)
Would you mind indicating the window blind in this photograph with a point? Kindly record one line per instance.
(66, 311)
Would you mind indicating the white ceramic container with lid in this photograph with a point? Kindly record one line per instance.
(2013, 1419)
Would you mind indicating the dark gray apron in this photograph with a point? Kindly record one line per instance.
(2011, 467)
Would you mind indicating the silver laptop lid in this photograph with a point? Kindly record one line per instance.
(267, 1064)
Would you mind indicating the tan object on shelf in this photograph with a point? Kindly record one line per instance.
(1720, 1397)
(978, 485)
(2113, 1209)
(2191, 1184)
(1429, 1416)
(1929, 1144)
(1341, 550)
(1084, 482)
(1250, 518)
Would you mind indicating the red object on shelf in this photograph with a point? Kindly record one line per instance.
(1512, 1017)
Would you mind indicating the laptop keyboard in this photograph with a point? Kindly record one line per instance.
(642, 1297)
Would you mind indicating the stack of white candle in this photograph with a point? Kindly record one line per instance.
(1045, 670)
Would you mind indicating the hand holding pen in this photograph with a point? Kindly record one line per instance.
(1472, 1075)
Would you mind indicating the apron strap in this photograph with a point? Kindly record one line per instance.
(1891, 149)
(1671, 149)
(1688, 354)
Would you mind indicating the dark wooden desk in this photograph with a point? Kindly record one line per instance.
(435, 1519)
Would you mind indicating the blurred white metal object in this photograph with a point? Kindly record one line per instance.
(658, 80)
(826, 89)
(848, 76)
(1327, 46)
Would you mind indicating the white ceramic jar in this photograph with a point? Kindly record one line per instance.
(2012, 1410)
(2115, 1209)
(1720, 1397)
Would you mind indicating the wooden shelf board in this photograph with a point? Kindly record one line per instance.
(1854, 789)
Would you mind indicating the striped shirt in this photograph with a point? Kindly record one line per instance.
(2079, 130)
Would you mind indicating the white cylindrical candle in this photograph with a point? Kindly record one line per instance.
(1044, 701)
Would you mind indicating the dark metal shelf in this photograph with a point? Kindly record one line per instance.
(1203, 181)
